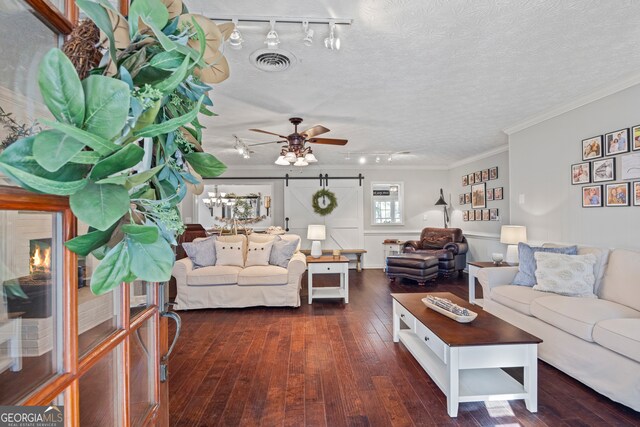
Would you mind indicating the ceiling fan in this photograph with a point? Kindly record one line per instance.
(295, 151)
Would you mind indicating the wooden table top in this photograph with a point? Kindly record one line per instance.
(324, 259)
(485, 329)
(330, 251)
(484, 264)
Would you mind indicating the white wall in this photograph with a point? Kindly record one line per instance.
(540, 160)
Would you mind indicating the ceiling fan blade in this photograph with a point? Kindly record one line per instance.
(328, 141)
(316, 130)
(264, 143)
(269, 133)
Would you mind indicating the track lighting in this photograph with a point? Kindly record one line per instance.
(377, 159)
(235, 39)
(348, 156)
(308, 34)
(389, 158)
(272, 41)
(363, 160)
(332, 42)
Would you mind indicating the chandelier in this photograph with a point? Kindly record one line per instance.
(217, 199)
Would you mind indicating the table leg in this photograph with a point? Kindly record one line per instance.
(358, 265)
(396, 323)
(15, 345)
(345, 285)
(454, 383)
(310, 283)
(531, 378)
(473, 270)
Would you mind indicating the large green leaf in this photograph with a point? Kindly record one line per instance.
(129, 156)
(53, 149)
(112, 270)
(144, 234)
(87, 243)
(130, 181)
(169, 84)
(152, 12)
(86, 158)
(167, 60)
(106, 105)
(101, 145)
(151, 262)
(170, 125)
(205, 164)
(61, 88)
(98, 14)
(100, 205)
(45, 185)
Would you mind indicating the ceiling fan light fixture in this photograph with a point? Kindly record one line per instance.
(301, 162)
(290, 156)
(281, 161)
(235, 39)
(272, 41)
(310, 158)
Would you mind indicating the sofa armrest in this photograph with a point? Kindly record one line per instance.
(181, 269)
(491, 277)
(411, 245)
(296, 267)
(457, 248)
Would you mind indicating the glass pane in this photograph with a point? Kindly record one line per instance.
(138, 297)
(100, 397)
(31, 276)
(142, 347)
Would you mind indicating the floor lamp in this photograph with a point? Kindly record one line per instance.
(443, 203)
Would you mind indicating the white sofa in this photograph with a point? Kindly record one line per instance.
(596, 341)
(233, 287)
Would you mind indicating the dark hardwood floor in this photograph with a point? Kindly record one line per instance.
(332, 364)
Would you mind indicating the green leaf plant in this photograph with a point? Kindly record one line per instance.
(126, 141)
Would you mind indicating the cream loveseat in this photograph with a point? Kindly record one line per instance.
(596, 341)
(223, 286)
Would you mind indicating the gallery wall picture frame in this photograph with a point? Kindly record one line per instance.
(471, 216)
(498, 193)
(603, 170)
(478, 176)
(493, 214)
(592, 148)
(489, 194)
(467, 198)
(616, 142)
(635, 138)
(630, 166)
(478, 196)
(478, 214)
(465, 180)
(485, 175)
(485, 215)
(465, 216)
(636, 193)
(461, 199)
(581, 173)
(471, 178)
(592, 196)
(493, 173)
(617, 194)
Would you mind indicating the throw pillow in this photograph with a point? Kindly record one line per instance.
(526, 275)
(282, 252)
(229, 254)
(570, 275)
(201, 253)
(258, 253)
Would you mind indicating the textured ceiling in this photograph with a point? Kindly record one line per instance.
(438, 78)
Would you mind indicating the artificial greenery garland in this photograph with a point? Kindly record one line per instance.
(324, 194)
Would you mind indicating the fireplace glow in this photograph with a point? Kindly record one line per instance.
(40, 260)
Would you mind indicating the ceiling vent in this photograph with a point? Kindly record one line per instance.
(272, 59)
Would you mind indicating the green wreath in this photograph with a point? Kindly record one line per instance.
(242, 209)
(324, 194)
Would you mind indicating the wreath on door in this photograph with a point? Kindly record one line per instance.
(328, 199)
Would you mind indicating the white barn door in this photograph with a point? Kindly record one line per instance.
(344, 225)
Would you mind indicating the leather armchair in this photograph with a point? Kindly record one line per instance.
(447, 244)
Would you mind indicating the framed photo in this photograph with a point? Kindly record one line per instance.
(465, 180)
(636, 193)
(616, 142)
(489, 194)
(603, 170)
(465, 216)
(471, 178)
(592, 148)
(461, 199)
(635, 138)
(478, 214)
(478, 196)
(592, 196)
(467, 198)
(617, 194)
(493, 173)
(478, 177)
(471, 215)
(493, 214)
(485, 214)
(485, 175)
(581, 173)
(497, 193)
(630, 166)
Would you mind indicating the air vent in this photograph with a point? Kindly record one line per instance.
(272, 59)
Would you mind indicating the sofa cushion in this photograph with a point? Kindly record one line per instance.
(570, 275)
(620, 283)
(214, 275)
(578, 316)
(263, 275)
(527, 263)
(602, 258)
(619, 335)
(235, 238)
(262, 238)
(258, 253)
(201, 252)
(291, 238)
(436, 238)
(228, 253)
(518, 298)
(282, 251)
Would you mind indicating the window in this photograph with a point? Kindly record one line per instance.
(386, 203)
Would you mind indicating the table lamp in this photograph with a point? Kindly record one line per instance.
(511, 235)
(315, 233)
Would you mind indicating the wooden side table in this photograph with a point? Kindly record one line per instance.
(329, 265)
(473, 267)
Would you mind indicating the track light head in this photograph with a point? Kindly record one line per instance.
(272, 41)
(235, 39)
(332, 42)
(308, 34)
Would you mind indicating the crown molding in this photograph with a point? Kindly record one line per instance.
(350, 168)
(492, 152)
(597, 94)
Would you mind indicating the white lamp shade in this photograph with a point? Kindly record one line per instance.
(301, 162)
(513, 234)
(316, 232)
(290, 157)
(309, 157)
(282, 161)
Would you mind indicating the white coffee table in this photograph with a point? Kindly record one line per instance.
(328, 264)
